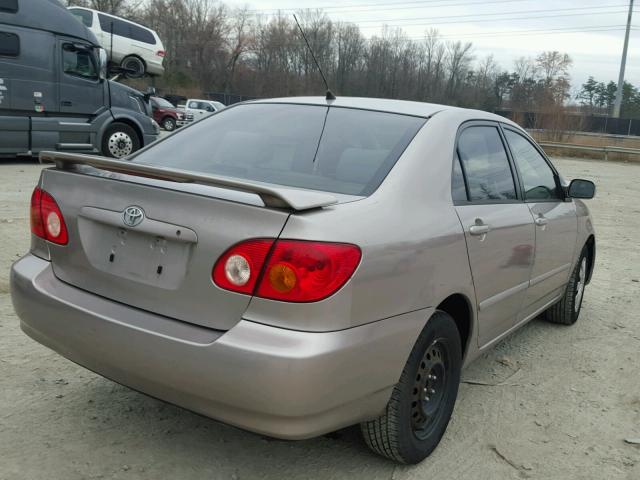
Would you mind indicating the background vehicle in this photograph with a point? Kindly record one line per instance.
(294, 266)
(135, 47)
(168, 116)
(55, 95)
(202, 108)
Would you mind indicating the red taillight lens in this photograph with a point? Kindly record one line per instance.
(37, 225)
(303, 271)
(160, 53)
(238, 269)
(46, 218)
(295, 270)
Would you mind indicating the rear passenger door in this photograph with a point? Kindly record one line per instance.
(555, 219)
(498, 226)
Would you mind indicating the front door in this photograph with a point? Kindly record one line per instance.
(555, 220)
(80, 87)
(498, 227)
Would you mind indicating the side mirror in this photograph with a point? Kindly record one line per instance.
(579, 188)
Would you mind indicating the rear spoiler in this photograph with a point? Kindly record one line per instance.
(271, 195)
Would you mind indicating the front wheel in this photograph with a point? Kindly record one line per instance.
(119, 140)
(567, 310)
(422, 401)
(169, 124)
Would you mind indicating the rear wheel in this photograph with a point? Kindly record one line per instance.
(135, 66)
(567, 310)
(422, 401)
(119, 140)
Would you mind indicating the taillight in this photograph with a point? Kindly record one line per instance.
(46, 218)
(160, 53)
(295, 270)
(238, 269)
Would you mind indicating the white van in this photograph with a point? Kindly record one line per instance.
(135, 47)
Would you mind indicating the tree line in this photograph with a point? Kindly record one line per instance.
(214, 48)
(598, 98)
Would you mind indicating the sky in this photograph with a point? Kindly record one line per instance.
(590, 31)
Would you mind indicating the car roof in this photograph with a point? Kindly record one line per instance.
(75, 7)
(404, 107)
(49, 16)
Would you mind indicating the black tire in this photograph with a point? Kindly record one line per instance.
(169, 124)
(406, 433)
(119, 140)
(136, 66)
(567, 310)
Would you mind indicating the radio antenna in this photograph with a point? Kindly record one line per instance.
(329, 95)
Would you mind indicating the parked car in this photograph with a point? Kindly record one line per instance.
(168, 116)
(135, 47)
(54, 92)
(202, 108)
(295, 266)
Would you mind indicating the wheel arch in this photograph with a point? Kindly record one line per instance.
(590, 245)
(127, 121)
(135, 55)
(459, 307)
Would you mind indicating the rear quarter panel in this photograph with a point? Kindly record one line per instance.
(413, 248)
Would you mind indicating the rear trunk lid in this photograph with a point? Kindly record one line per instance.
(161, 262)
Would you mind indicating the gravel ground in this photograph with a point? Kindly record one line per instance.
(570, 397)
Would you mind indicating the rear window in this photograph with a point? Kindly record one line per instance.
(334, 149)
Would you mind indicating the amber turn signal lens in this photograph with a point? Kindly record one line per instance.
(282, 277)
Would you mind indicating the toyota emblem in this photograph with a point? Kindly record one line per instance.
(132, 216)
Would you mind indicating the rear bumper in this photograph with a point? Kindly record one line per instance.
(155, 67)
(282, 383)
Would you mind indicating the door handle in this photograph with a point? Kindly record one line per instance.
(479, 229)
(541, 221)
(66, 103)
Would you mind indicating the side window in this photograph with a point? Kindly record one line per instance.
(538, 179)
(458, 188)
(9, 6)
(142, 35)
(193, 105)
(78, 63)
(120, 28)
(485, 165)
(85, 16)
(9, 44)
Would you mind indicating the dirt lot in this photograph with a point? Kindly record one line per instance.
(570, 397)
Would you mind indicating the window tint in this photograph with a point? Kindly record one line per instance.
(126, 29)
(85, 16)
(285, 144)
(78, 62)
(9, 44)
(142, 35)
(10, 6)
(458, 188)
(538, 180)
(485, 164)
(161, 102)
(119, 27)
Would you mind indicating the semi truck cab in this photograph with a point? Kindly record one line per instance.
(54, 91)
